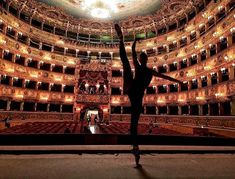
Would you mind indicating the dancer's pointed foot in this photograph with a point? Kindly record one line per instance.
(119, 31)
(137, 160)
(138, 166)
(136, 153)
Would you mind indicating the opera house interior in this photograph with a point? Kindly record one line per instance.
(61, 75)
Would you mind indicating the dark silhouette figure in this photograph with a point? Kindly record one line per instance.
(135, 87)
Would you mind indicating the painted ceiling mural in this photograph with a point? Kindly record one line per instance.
(106, 9)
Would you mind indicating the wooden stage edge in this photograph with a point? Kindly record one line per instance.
(111, 139)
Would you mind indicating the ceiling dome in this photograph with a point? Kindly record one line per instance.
(99, 16)
(105, 9)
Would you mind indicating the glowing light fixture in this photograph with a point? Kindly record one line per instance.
(19, 96)
(200, 98)
(219, 94)
(100, 8)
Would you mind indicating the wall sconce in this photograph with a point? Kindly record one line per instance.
(200, 98)
(68, 100)
(105, 110)
(181, 100)
(219, 94)
(19, 96)
(44, 98)
(160, 101)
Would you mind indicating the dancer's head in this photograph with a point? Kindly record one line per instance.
(143, 59)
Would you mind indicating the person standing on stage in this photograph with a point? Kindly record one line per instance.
(135, 87)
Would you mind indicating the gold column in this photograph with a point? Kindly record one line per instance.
(232, 104)
(179, 110)
(21, 106)
(8, 105)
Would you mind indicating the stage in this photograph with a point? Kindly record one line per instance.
(117, 166)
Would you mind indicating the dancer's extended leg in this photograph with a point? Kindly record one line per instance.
(127, 74)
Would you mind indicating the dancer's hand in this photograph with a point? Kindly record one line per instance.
(119, 31)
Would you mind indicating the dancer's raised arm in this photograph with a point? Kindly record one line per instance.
(166, 77)
(134, 55)
(122, 49)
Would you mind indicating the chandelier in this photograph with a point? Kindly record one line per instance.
(100, 8)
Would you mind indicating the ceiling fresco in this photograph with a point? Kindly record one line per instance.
(106, 9)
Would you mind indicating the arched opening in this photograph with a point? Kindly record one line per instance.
(91, 115)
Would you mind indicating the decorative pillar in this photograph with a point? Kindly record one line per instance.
(11, 81)
(8, 105)
(179, 110)
(178, 65)
(167, 68)
(50, 84)
(218, 76)
(167, 48)
(179, 87)
(65, 51)
(35, 107)
(48, 107)
(220, 110)
(232, 105)
(40, 45)
(189, 110)
(88, 54)
(200, 108)
(156, 89)
(28, 41)
(62, 88)
(177, 44)
(207, 53)
(189, 85)
(13, 58)
(61, 109)
(209, 109)
(111, 55)
(52, 48)
(51, 67)
(157, 110)
(77, 51)
(37, 84)
(21, 106)
(188, 40)
(168, 110)
(167, 88)
(24, 83)
(100, 55)
(188, 62)
(42, 24)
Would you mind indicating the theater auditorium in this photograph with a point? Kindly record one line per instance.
(62, 93)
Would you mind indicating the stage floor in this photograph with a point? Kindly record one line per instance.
(115, 149)
(117, 166)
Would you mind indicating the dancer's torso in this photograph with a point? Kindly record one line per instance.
(143, 77)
